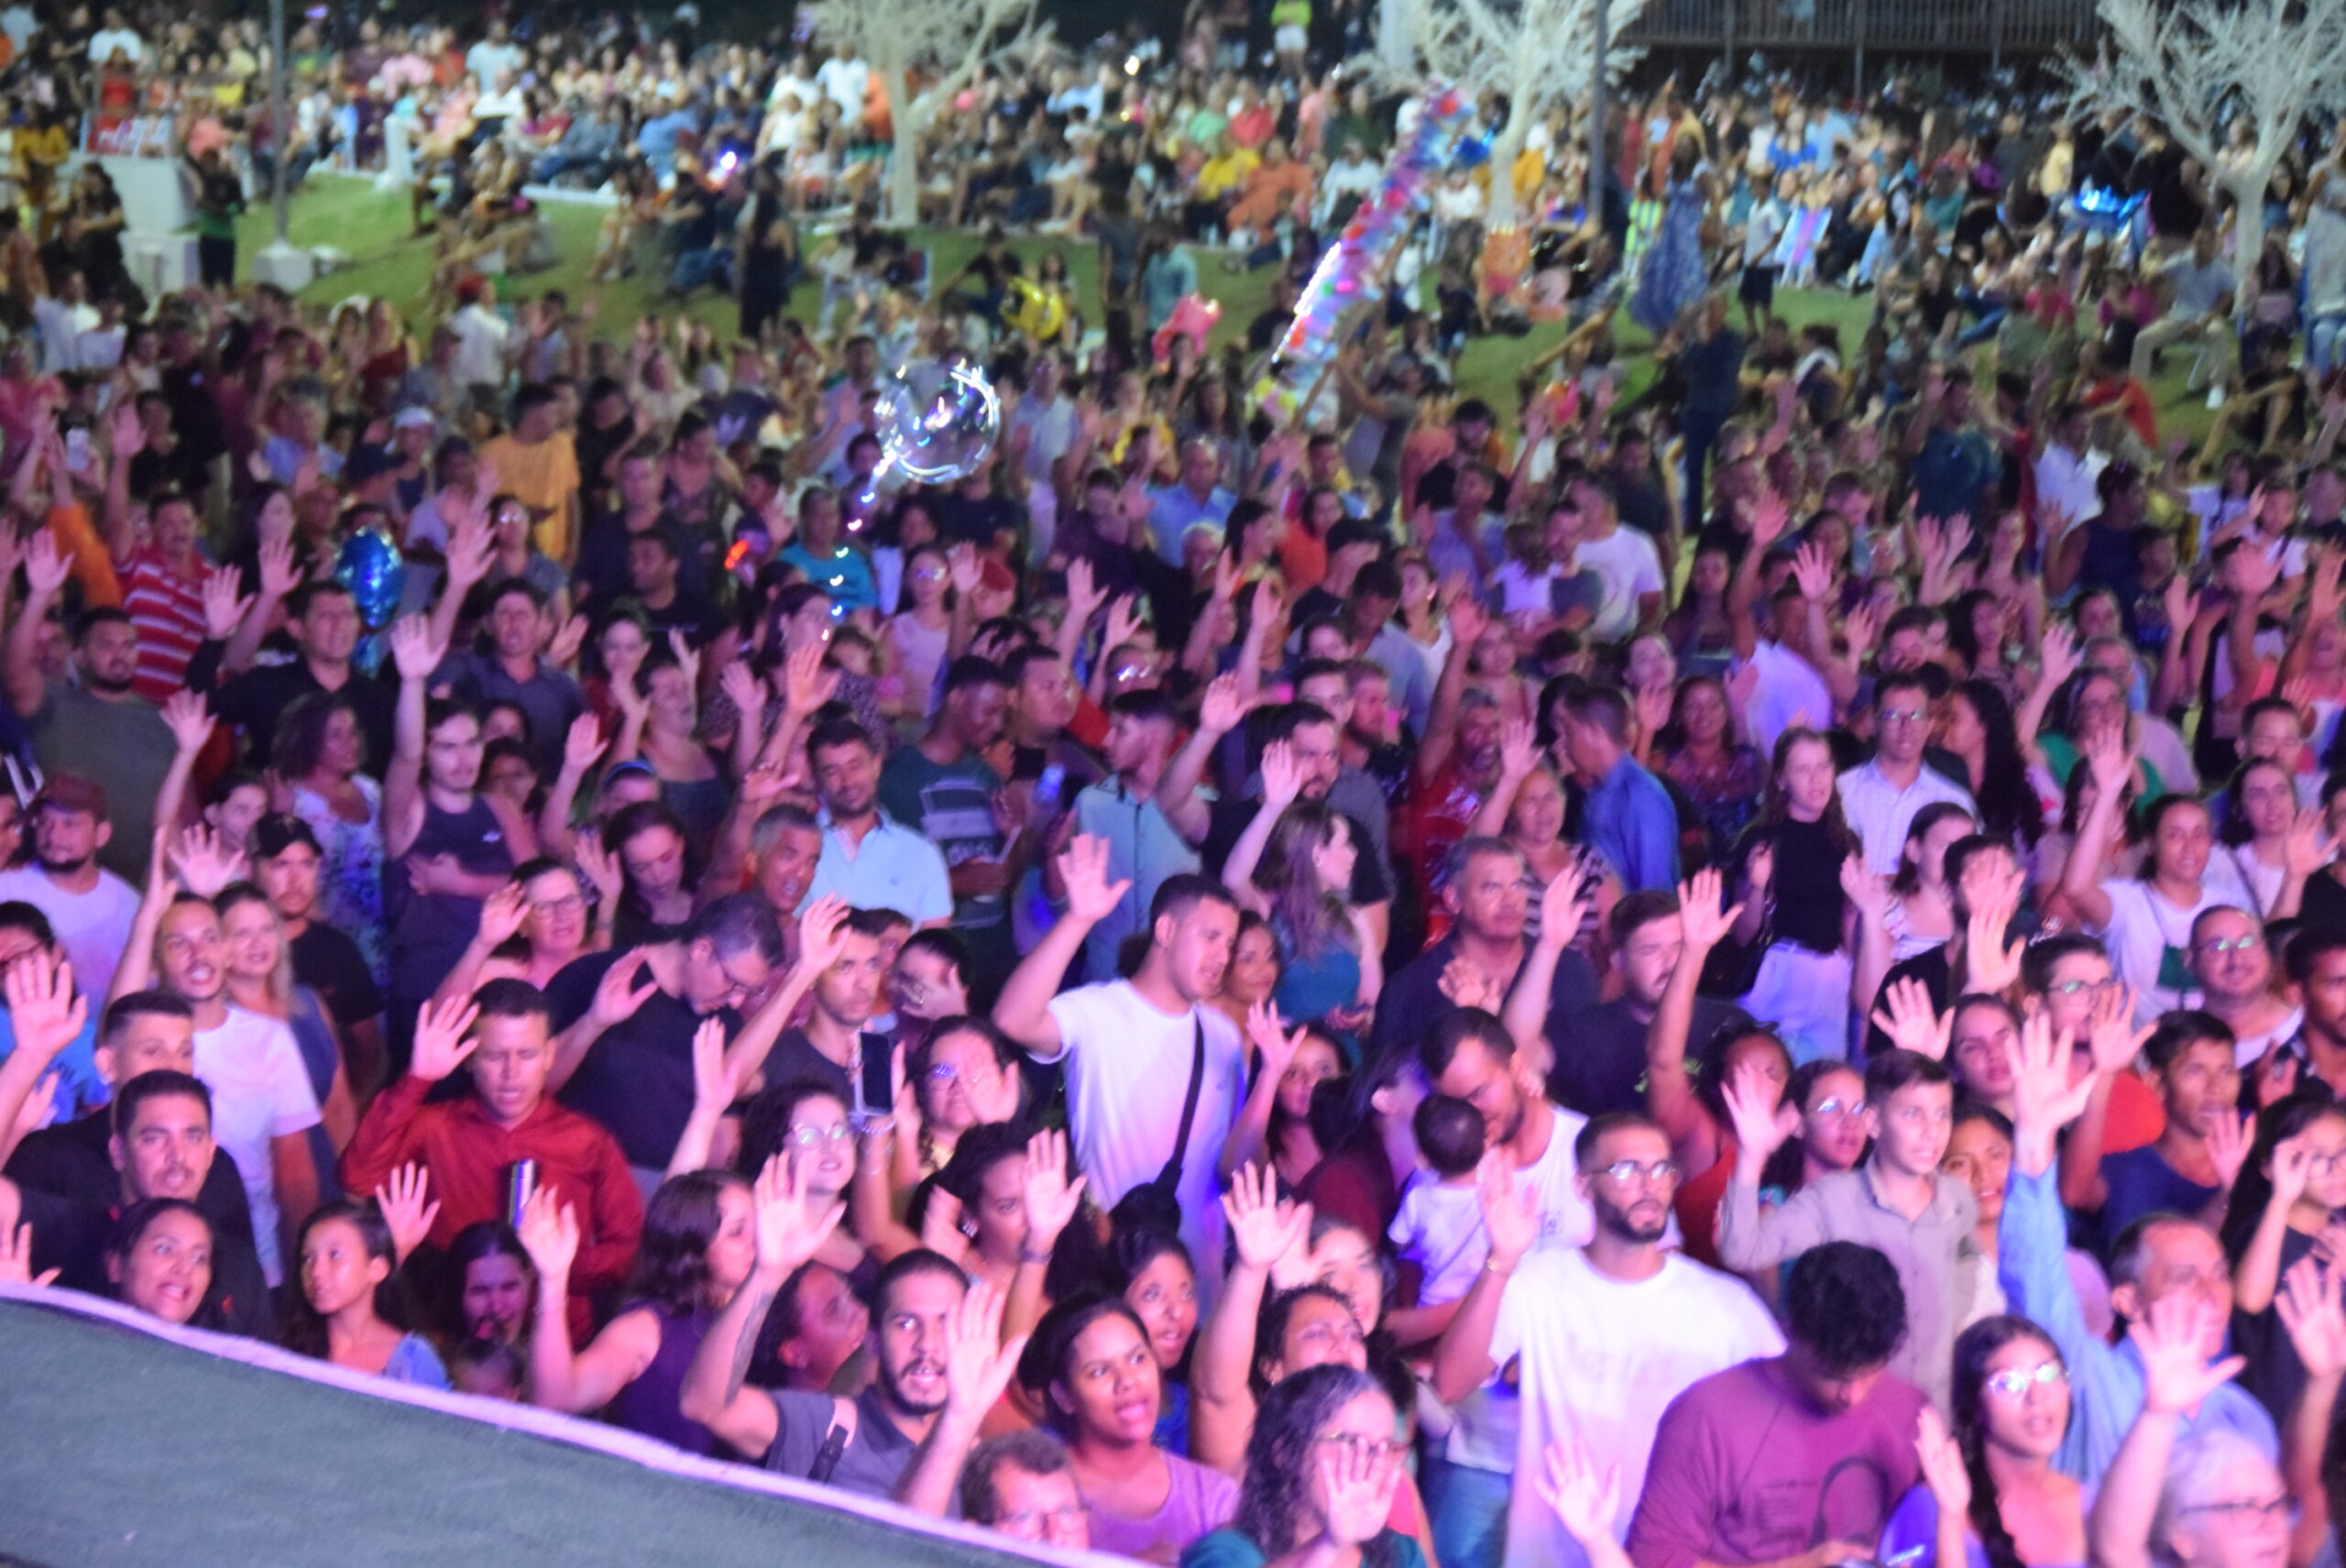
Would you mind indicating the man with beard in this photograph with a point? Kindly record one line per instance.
(1155, 1073)
(263, 1104)
(88, 909)
(96, 727)
(861, 1445)
(1600, 1338)
(1598, 1056)
(831, 1047)
(321, 620)
(868, 858)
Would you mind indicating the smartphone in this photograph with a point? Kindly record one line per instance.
(1048, 787)
(874, 1094)
(77, 450)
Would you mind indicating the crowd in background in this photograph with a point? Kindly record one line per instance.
(1741, 962)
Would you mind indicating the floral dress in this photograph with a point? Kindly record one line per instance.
(1674, 272)
(350, 873)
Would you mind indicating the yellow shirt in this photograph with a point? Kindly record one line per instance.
(1224, 174)
(544, 478)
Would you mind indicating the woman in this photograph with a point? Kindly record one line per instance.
(963, 1075)
(2287, 1193)
(350, 1310)
(621, 644)
(260, 980)
(1989, 1488)
(769, 263)
(696, 480)
(660, 722)
(2270, 844)
(491, 1283)
(1331, 967)
(1831, 1098)
(915, 636)
(1922, 906)
(699, 1242)
(455, 845)
(1676, 269)
(1152, 1271)
(1528, 809)
(1322, 1470)
(1099, 1376)
(529, 929)
(320, 750)
(1253, 973)
(1705, 758)
(1795, 890)
(1976, 726)
(158, 1258)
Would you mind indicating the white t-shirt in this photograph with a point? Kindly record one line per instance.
(845, 82)
(1602, 1358)
(1127, 1071)
(1439, 1227)
(2144, 925)
(93, 928)
(1789, 688)
(489, 61)
(481, 335)
(1629, 566)
(261, 1090)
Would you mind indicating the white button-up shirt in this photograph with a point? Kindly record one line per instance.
(1879, 812)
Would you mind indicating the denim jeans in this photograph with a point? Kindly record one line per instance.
(1468, 1508)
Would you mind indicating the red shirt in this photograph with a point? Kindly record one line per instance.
(1440, 814)
(469, 1154)
(168, 609)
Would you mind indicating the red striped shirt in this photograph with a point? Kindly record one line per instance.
(168, 612)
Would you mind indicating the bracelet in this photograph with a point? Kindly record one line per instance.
(1491, 1266)
(1027, 1255)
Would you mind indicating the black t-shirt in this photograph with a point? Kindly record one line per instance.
(1600, 1053)
(2324, 905)
(637, 1079)
(151, 470)
(1412, 997)
(976, 520)
(797, 1059)
(330, 963)
(1808, 896)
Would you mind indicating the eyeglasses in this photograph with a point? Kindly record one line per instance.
(946, 1073)
(1626, 1172)
(2273, 1510)
(1376, 1449)
(2223, 945)
(1904, 715)
(1839, 1109)
(808, 1137)
(2093, 987)
(1037, 1519)
(2016, 1382)
(569, 904)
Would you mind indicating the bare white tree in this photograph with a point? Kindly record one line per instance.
(1535, 53)
(949, 40)
(2196, 65)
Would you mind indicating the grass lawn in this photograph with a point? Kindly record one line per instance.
(372, 229)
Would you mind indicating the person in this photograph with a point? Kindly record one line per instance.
(1154, 1029)
(1321, 1471)
(1022, 1485)
(1898, 1203)
(1881, 797)
(1602, 1337)
(870, 858)
(1745, 1461)
(328, 960)
(1597, 1055)
(1987, 1476)
(2191, 1167)
(1127, 810)
(1627, 815)
(88, 909)
(1330, 964)
(2289, 1187)
(469, 1144)
(158, 1259)
(349, 1311)
(1797, 876)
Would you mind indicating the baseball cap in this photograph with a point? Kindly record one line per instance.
(70, 792)
(273, 835)
(412, 416)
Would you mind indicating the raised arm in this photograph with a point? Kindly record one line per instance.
(2175, 1378)
(1263, 1231)
(417, 653)
(1177, 792)
(2112, 766)
(1526, 1012)
(1250, 1135)
(1282, 782)
(1462, 1357)
(1518, 760)
(1670, 1088)
(978, 1364)
(1467, 620)
(1023, 1010)
(46, 570)
(578, 1383)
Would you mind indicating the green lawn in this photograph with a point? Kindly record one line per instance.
(372, 229)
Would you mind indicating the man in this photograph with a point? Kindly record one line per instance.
(1368, 619)
(1626, 561)
(285, 857)
(2316, 969)
(1628, 817)
(1597, 1057)
(485, 342)
(1155, 1075)
(1484, 956)
(1459, 758)
(655, 585)
(1193, 499)
(516, 670)
(603, 542)
(1022, 1485)
(25, 938)
(1797, 1459)
(2161, 1256)
(833, 1047)
(264, 1101)
(321, 620)
(1954, 463)
(942, 788)
(536, 463)
(2201, 288)
(89, 908)
(1898, 1203)
(469, 1145)
(1881, 797)
(624, 1022)
(2065, 470)
(868, 858)
(1125, 811)
(1466, 538)
(839, 568)
(97, 726)
(1600, 1338)
(1036, 723)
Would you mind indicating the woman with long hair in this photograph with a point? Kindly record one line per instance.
(320, 752)
(1152, 1270)
(490, 1285)
(1292, 866)
(1528, 807)
(964, 1074)
(2289, 1190)
(1796, 863)
(1251, 976)
(699, 1242)
(1706, 758)
(1275, 1121)
(1922, 904)
(1831, 1099)
(259, 974)
(1322, 1468)
(1976, 726)
(1091, 1361)
(350, 1309)
(529, 929)
(1989, 1490)
(2271, 844)
(916, 636)
(660, 722)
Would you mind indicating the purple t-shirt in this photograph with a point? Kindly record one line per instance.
(1745, 1469)
(1201, 1500)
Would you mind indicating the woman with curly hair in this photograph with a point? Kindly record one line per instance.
(1321, 1470)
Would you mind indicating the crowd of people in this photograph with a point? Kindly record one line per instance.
(1744, 967)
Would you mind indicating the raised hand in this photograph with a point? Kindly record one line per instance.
(1510, 1215)
(2058, 659)
(1083, 870)
(1655, 701)
(2111, 1036)
(742, 689)
(1051, 1200)
(1468, 619)
(617, 998)
(793, 1224)
(2228, 1140)
(940, 1227)
(549, 1233)
(2311, 1309)
(224, 608)
(1812, 570)
(2171, 1338)
(408, 1208)
(1262, 1228)
(414, 650)
(2309, 846)
(1585, 1498)
(1764, 1121)
(807, 684)
(2044, 1100)
(280, 573)
(687, 659)
(562, 652)
(823, 933)
(46, 567)
(443, 1038)
(17, 1257)
(1992, 963)
(1563, 905)
(715, 1083)
(1282, 776)
(1705, 923)
(1220, 711)
(1518, 750)
(1943, 1470)
(584, 745)
(204, 863)
(1357, 1490)
(2292, 1169)
(1464, 984)
(43, 1008)
(602, 868)
(978, 1360)
(1262, 1028)
(1913, 1021)
(502, 914)
(189, 718)
(1865, 888)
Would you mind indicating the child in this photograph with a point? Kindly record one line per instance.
(488, 1368)
(1439, 1226)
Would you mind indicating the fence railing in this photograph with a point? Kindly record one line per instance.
(1992, 27)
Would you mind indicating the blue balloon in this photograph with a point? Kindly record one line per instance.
(371, 567)
(1472, 152)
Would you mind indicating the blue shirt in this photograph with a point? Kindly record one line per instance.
(1950, 471)
(1173, 510)
(2140, 1182)
(79, 1087)
(1144, 848)
(844, 575)
(893, 868)
(2105, 1381)
(1631, 821)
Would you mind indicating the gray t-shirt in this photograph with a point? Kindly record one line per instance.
(874, 1460)
(124, 746)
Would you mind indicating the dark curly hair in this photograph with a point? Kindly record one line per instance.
(1845, 1306)
(1973, 1348)
(683, 1218)
(300, 739)
(1045, 1361)
(1277, 1482)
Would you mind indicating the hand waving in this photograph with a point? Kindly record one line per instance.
(443, 1038)
(407, 1207)
(1262, 1228)
(1051, 1200)
(1083, 869)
